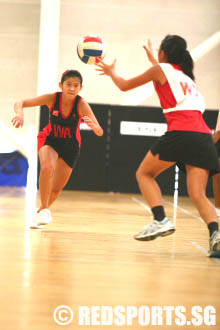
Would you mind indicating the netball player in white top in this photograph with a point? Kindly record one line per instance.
(187, 143)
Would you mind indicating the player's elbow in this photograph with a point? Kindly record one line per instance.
(123, 88)
(100, 132)
(122, 84)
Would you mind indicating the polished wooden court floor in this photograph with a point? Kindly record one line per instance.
(87, 257)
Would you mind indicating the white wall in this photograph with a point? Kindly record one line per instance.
(125, 25)
(19, 42)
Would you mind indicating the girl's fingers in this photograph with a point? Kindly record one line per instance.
(100, 63)
(149, 44)
(17, 122)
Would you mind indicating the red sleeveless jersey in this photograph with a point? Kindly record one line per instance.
(181, 101)
(62, 128)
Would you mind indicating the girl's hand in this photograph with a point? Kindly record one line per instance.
(105, 69)
(93, 125)
(89, 122)
(149, 52)
(89, 118)
(18, 120)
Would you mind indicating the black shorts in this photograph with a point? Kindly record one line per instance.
(188, 148)
(217, 145)
(69, 152)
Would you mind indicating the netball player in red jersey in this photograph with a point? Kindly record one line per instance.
(59, 142)
(188, 141)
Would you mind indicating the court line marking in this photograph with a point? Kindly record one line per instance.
(142, 204)
(203, 250)
(184, 210)
(169, 203)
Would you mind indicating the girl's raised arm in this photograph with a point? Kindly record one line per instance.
(149, 52)
(155, 73)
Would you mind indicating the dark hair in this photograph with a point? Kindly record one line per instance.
(175, 48)
(71, 73)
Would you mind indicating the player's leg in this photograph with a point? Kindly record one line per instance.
(197, 179)
(48, 157)
(61, 176)
(146, 174)
(216, 190)
(149, 169)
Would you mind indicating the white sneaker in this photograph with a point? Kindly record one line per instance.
(214, 244)
(43, 217)
(157, 228)
(34, 225)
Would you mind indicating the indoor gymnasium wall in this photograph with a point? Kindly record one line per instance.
(125, 25)
(19, 40)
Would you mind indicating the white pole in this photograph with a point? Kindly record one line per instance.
(47, 82)
(49, 46)
(176, 190)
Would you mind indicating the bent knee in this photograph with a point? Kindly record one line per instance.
(197, 196)
(140, 173)
(56, 190)
(58, 187)
(47, 169)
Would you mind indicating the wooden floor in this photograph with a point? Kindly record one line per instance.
(87, 257)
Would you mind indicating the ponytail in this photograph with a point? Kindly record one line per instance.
(175, 48)
(187, 64)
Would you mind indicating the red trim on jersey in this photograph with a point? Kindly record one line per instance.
(187, 120)
(61, 108)
(54, 101)
(43, 135)
(166, 97)
(176, 66)
(78, 106)
(179, 120)
(93, 39)
(78, 135)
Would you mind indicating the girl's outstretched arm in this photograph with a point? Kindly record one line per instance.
(155, 73)
(89, 118)
(18, 119)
